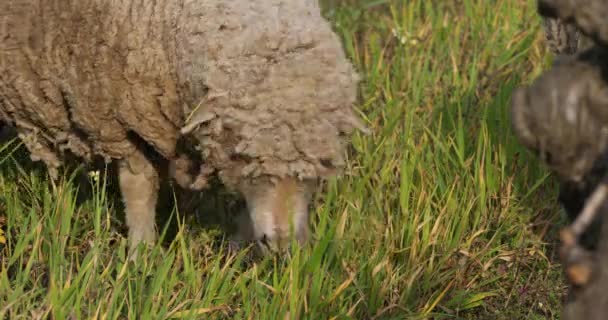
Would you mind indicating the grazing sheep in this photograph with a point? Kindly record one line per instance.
(563, 117)
(261, 91)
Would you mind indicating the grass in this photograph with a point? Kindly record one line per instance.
(440, 215)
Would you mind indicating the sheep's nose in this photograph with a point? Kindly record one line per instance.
(276, 245)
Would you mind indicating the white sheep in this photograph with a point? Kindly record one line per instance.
(261, 90)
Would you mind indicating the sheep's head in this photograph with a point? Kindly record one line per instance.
(561, 116)
(277, 107)
(277, 212)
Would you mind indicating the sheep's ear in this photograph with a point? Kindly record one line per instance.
(197, 118)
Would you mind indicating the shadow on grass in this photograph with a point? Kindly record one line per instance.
(212, 209)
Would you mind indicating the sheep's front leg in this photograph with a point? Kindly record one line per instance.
(139, 185)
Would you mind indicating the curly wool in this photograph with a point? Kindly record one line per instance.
(279, 94)
(263, 87)
(562, 116)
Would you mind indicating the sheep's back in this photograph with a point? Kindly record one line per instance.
(85, 74)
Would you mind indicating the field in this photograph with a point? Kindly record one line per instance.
(440, 215)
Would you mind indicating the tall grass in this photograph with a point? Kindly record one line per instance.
(440, 215)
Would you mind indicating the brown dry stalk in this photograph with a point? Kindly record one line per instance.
(590, 210)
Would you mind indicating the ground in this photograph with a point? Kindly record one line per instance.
(440, 215)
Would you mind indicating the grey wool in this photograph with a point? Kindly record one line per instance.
(563, 118)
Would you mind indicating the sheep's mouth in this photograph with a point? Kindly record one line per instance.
(264, 242)
(266, 245)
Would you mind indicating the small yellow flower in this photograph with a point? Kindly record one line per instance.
(94, 175)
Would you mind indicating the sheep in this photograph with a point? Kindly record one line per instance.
(563, 118)
(257, 93)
